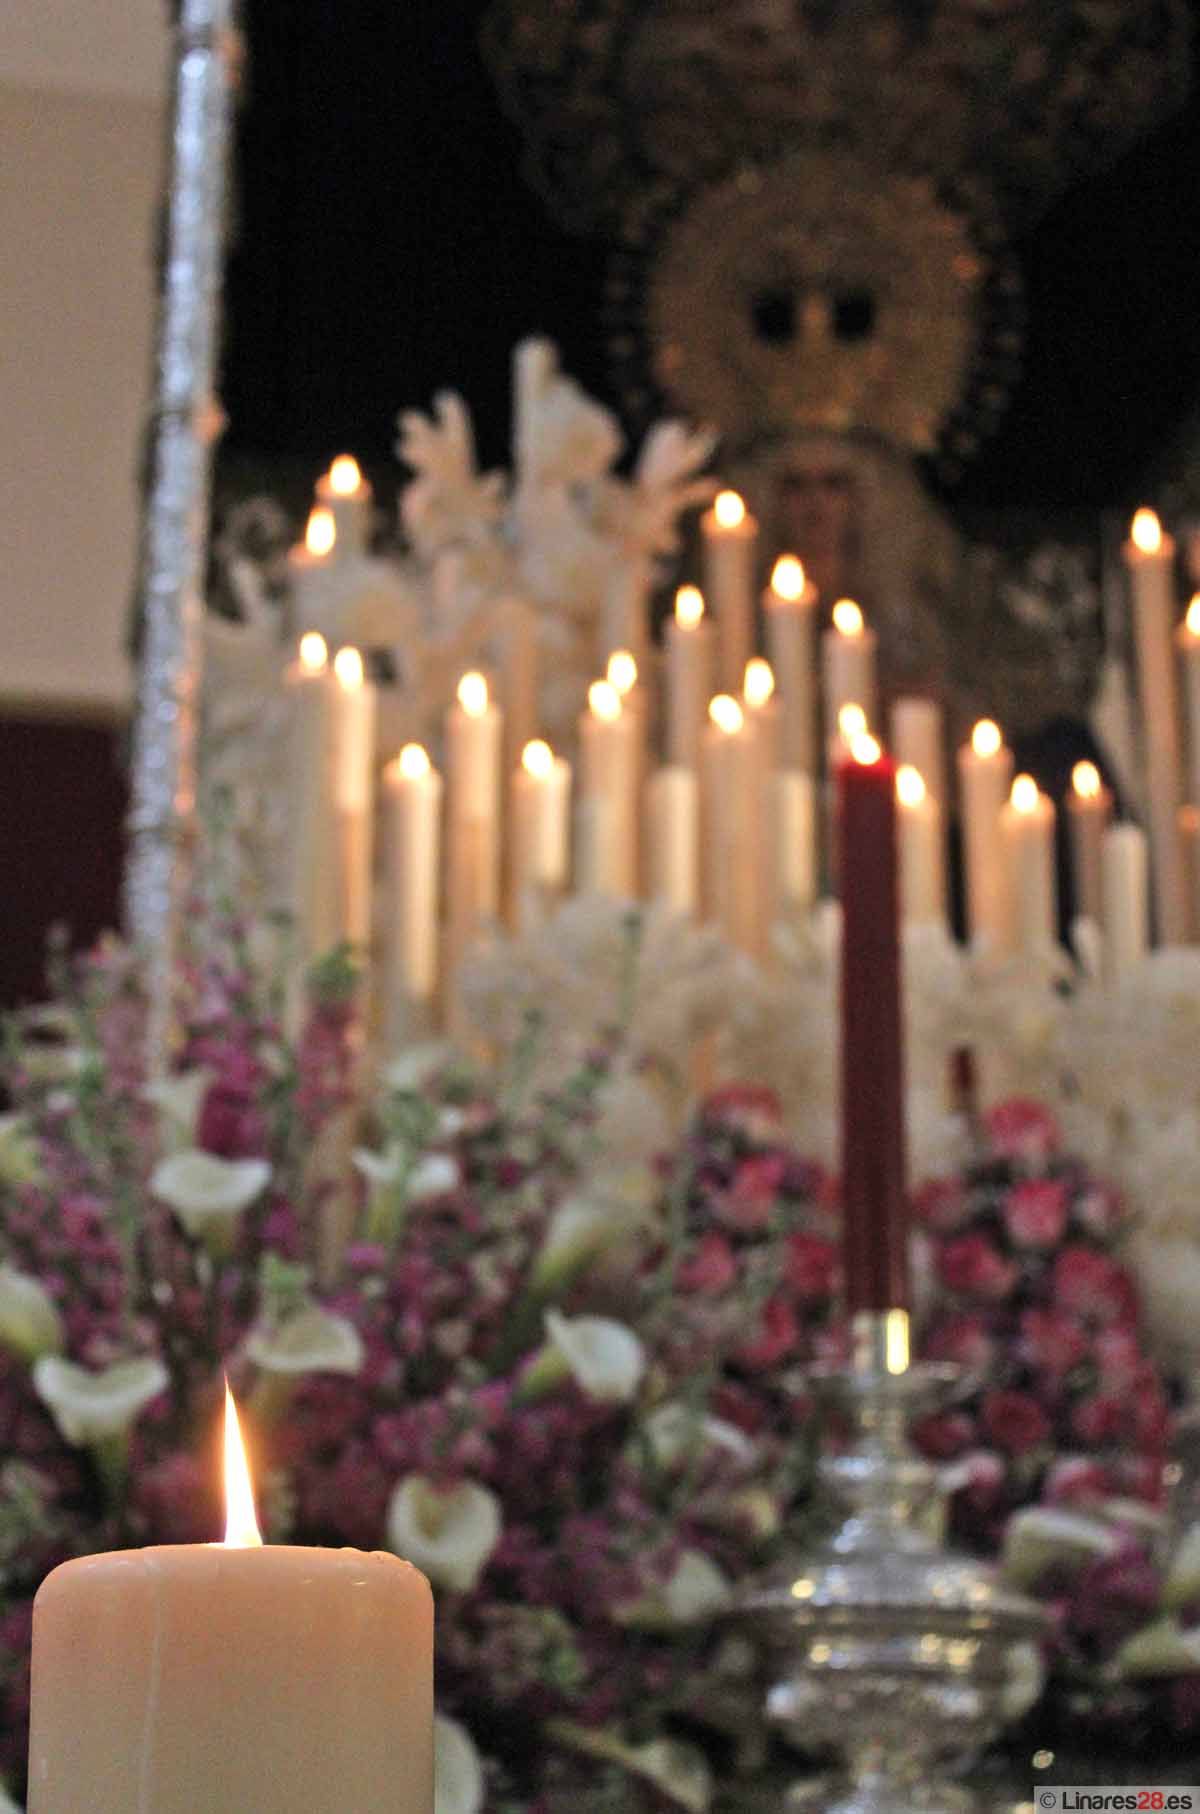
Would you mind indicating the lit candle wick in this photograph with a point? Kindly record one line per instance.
(726, 714)
(787, 578)
(986, 739)
(604, 701)
(413, 761)
(320, 534)
(537, 759)
(759, 682)
(729, 510)
(1085, 780)
(1145, 532)
(241, 1524)
(345, 476)
(910, 785)
(847, 618)
(852, 721)
(1192, 620)
(313, 652)
(689, 607)
(622, 671)
(473, 695)
(348, 666)
(865, 750)
(1025, 795)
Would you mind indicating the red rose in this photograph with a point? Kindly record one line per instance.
(1076, 1480)
(1051, 1342)
(709, 1268)
(811, 1267)
(944, 1435)
(941, 1204)
(1015, 1422)
(1035, 1213)
(1151, 1416)
(963, 1340)
(1023, 1130)
(1100, 1210)
(1119, 1358)
(748, 1202)
(973, 1266)
(776, 1338)
(980, 1478)
(1099, 1420)
(1094, 1287)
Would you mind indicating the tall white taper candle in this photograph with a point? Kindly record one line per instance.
(1150, 556)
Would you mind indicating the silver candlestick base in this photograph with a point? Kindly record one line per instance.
(883, 1646)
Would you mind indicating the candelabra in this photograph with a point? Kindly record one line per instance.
(884, 1646)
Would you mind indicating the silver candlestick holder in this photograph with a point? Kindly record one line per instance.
(883, 1646)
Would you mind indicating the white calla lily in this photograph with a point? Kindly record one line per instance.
(695, 1593)
(178, 1100)
(313, 1340)
(19, 1161)
(605, 1358)
(381, 1170)
(581, 1229)
(208, 1193)
(1160, 1649)
(29, 1321)
(1183, 1576)
(679, 1771)
(450, 1535)
(1026, 1679)
(411, 1070)
(8, 1805)
(458, 1785)
(94, 1407)
(436, 1175)
(1041, 1536)
(674, 1431)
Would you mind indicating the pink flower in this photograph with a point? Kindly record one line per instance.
(1052, 1342)
(942, 1204)
(1099, 1420)
(1022, 1129)
(1014, 1421)
(776, 1338)
(1075, 1480)
(811, 1267)
(1094, 1287)
(1035, 1213)
(1119, 1358)
(945, 1435)
(752, 1195)
(962, 1339)
(709, 1268)
(1100, 1210)
(973, 1266)
(982, 1474)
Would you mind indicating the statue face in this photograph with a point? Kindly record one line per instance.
(817, 511)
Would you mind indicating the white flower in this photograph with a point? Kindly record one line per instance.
(679, 1771)
(1026, 1678)
(178, 1100)
(605, 1358)
(1183, 1577)
(29, 1321)
(457, 1770)
(207, 1193)
(675, 1430)
(412, 1069)
(93, 1407)
(697, 1590)
(381, 1170)
(1158, 1650)
(8, 1806)
(19, 1162)
(433, 1176)
(1041, 1535)
(314, 1340)
(582, 1228)
(450, 1535)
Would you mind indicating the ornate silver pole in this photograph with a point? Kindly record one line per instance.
(175, 525)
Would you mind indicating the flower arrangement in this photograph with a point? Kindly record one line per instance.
(556, 1355)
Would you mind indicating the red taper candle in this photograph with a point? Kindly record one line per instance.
(875, 1224)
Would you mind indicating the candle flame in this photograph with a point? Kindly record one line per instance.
(1145, 532)
(473, 695)
(910, 785)
(986, 739)
(1192, 620)
(895, 1341)
(604, 701)
(1085, 780)
(787, 578)
(847, 618)
(241, 1525)
(537, 759)
(320, 532)
(345, 476)
(313, 652)
(689, 606)
(852, 721)
(865, 749)
(726, 714)
(622, 671)
(348, 666)
(1025, 794)
(759, 682)
(413, 761)
(729, 510)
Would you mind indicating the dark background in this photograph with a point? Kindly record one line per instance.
(388, 246)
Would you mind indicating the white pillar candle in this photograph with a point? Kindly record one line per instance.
(354, 792)
(729, 541)
(673, 839)
(1189, 834)
(311, 575)
(793, 819)
(1189, 655)
(985, 769)
(919, 837)
(625, 611)
(1124, 899)
(733, 826)
(474, 745)
(1027, 832)
(848, 657)
(1089, 809)
(541, 820)
(761, 706)
(203, 1676)
(347, 496)
(689, 646)
(413, 792)
(518, 678)
(606, 860)
(918, 741)
(622, 673)
(313, 834)
(790, 617)
(1150, 557)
